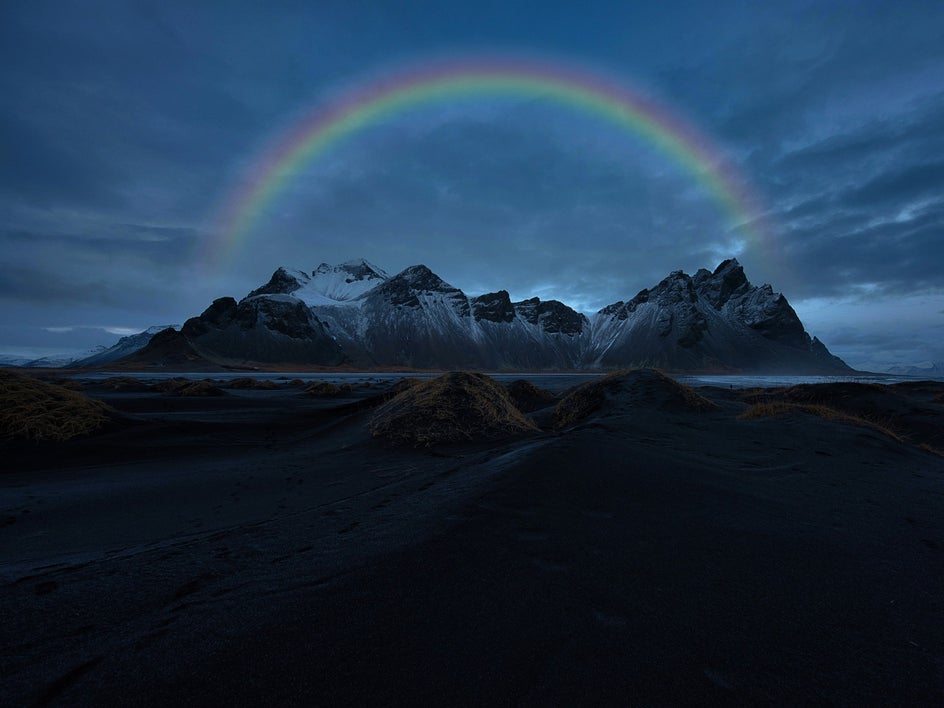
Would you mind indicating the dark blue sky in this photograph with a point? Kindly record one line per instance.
(124, 126)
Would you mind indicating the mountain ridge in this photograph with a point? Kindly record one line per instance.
(355, 314)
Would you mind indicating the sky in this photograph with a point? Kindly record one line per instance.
(128, 128)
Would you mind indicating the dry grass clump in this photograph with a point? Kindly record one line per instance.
(401, 385)
(71, 384)
(246, 383)
(31, 409)
(832, 392)
(188, 388)
(629, 389)
(450, 408)
(930, 448)
(528, 397)
(199, 389)
(776, 409)
(322, 389)
(127, 384)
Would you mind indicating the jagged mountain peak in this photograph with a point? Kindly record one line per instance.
(494, 307)
(726, 281)
(327, 284)
(420, 277)
(283, 282)
(552, 315)
(357, 269)
(712, 320)
(405, 287)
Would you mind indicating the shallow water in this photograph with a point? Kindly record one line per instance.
(548, 381)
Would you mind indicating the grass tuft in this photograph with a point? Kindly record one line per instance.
(188, 388)
(930, 448)
(247, 383)
(322, 389)
(31, 409)
(528, 397)
(453, 407)
(777, 409)
(638, 388)
(125, 384)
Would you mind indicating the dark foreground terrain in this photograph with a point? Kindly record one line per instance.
(260, 547)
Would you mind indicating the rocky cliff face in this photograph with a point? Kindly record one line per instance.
(356, 313)
(714, 320)
(268, 328)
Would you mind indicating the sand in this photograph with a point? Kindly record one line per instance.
(260, 547)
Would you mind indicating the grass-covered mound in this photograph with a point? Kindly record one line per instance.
(527, 397)
(246, 383)
(450, 408)
(31, 409)
(323, 389)
(778, 409)
(126, 384)
(625, 391)
(899, 411)
(188, 388)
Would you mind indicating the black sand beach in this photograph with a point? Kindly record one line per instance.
(260, 547)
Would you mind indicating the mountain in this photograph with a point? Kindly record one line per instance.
(930, 369)
(10, 360)
(266, 328)
(326, 285)
(122, 348)
(714, 320)
(167, 350)
(355, 314)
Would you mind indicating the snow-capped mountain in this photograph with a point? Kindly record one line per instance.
(264, 328)
(714, 320)
(327, 284)
(354, 313)
(929, 369)
(122, 348)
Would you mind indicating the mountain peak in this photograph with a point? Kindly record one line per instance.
(714, 319)
(339, 283)
(421, 277)
(728, 264)
(357, 268)
(728, 280)
(282, 282)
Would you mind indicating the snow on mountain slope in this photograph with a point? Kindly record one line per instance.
(930, 369)
(122, 348)
(417, 319)
(355, 312)
(327, 284)
(710, 321)
(346, 281)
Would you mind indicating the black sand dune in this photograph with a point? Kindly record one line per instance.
(262, 548)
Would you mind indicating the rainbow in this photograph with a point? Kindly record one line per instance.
(327, 126)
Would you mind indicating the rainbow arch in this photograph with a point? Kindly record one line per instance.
(328, 125)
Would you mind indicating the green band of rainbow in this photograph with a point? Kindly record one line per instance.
(617, 104)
